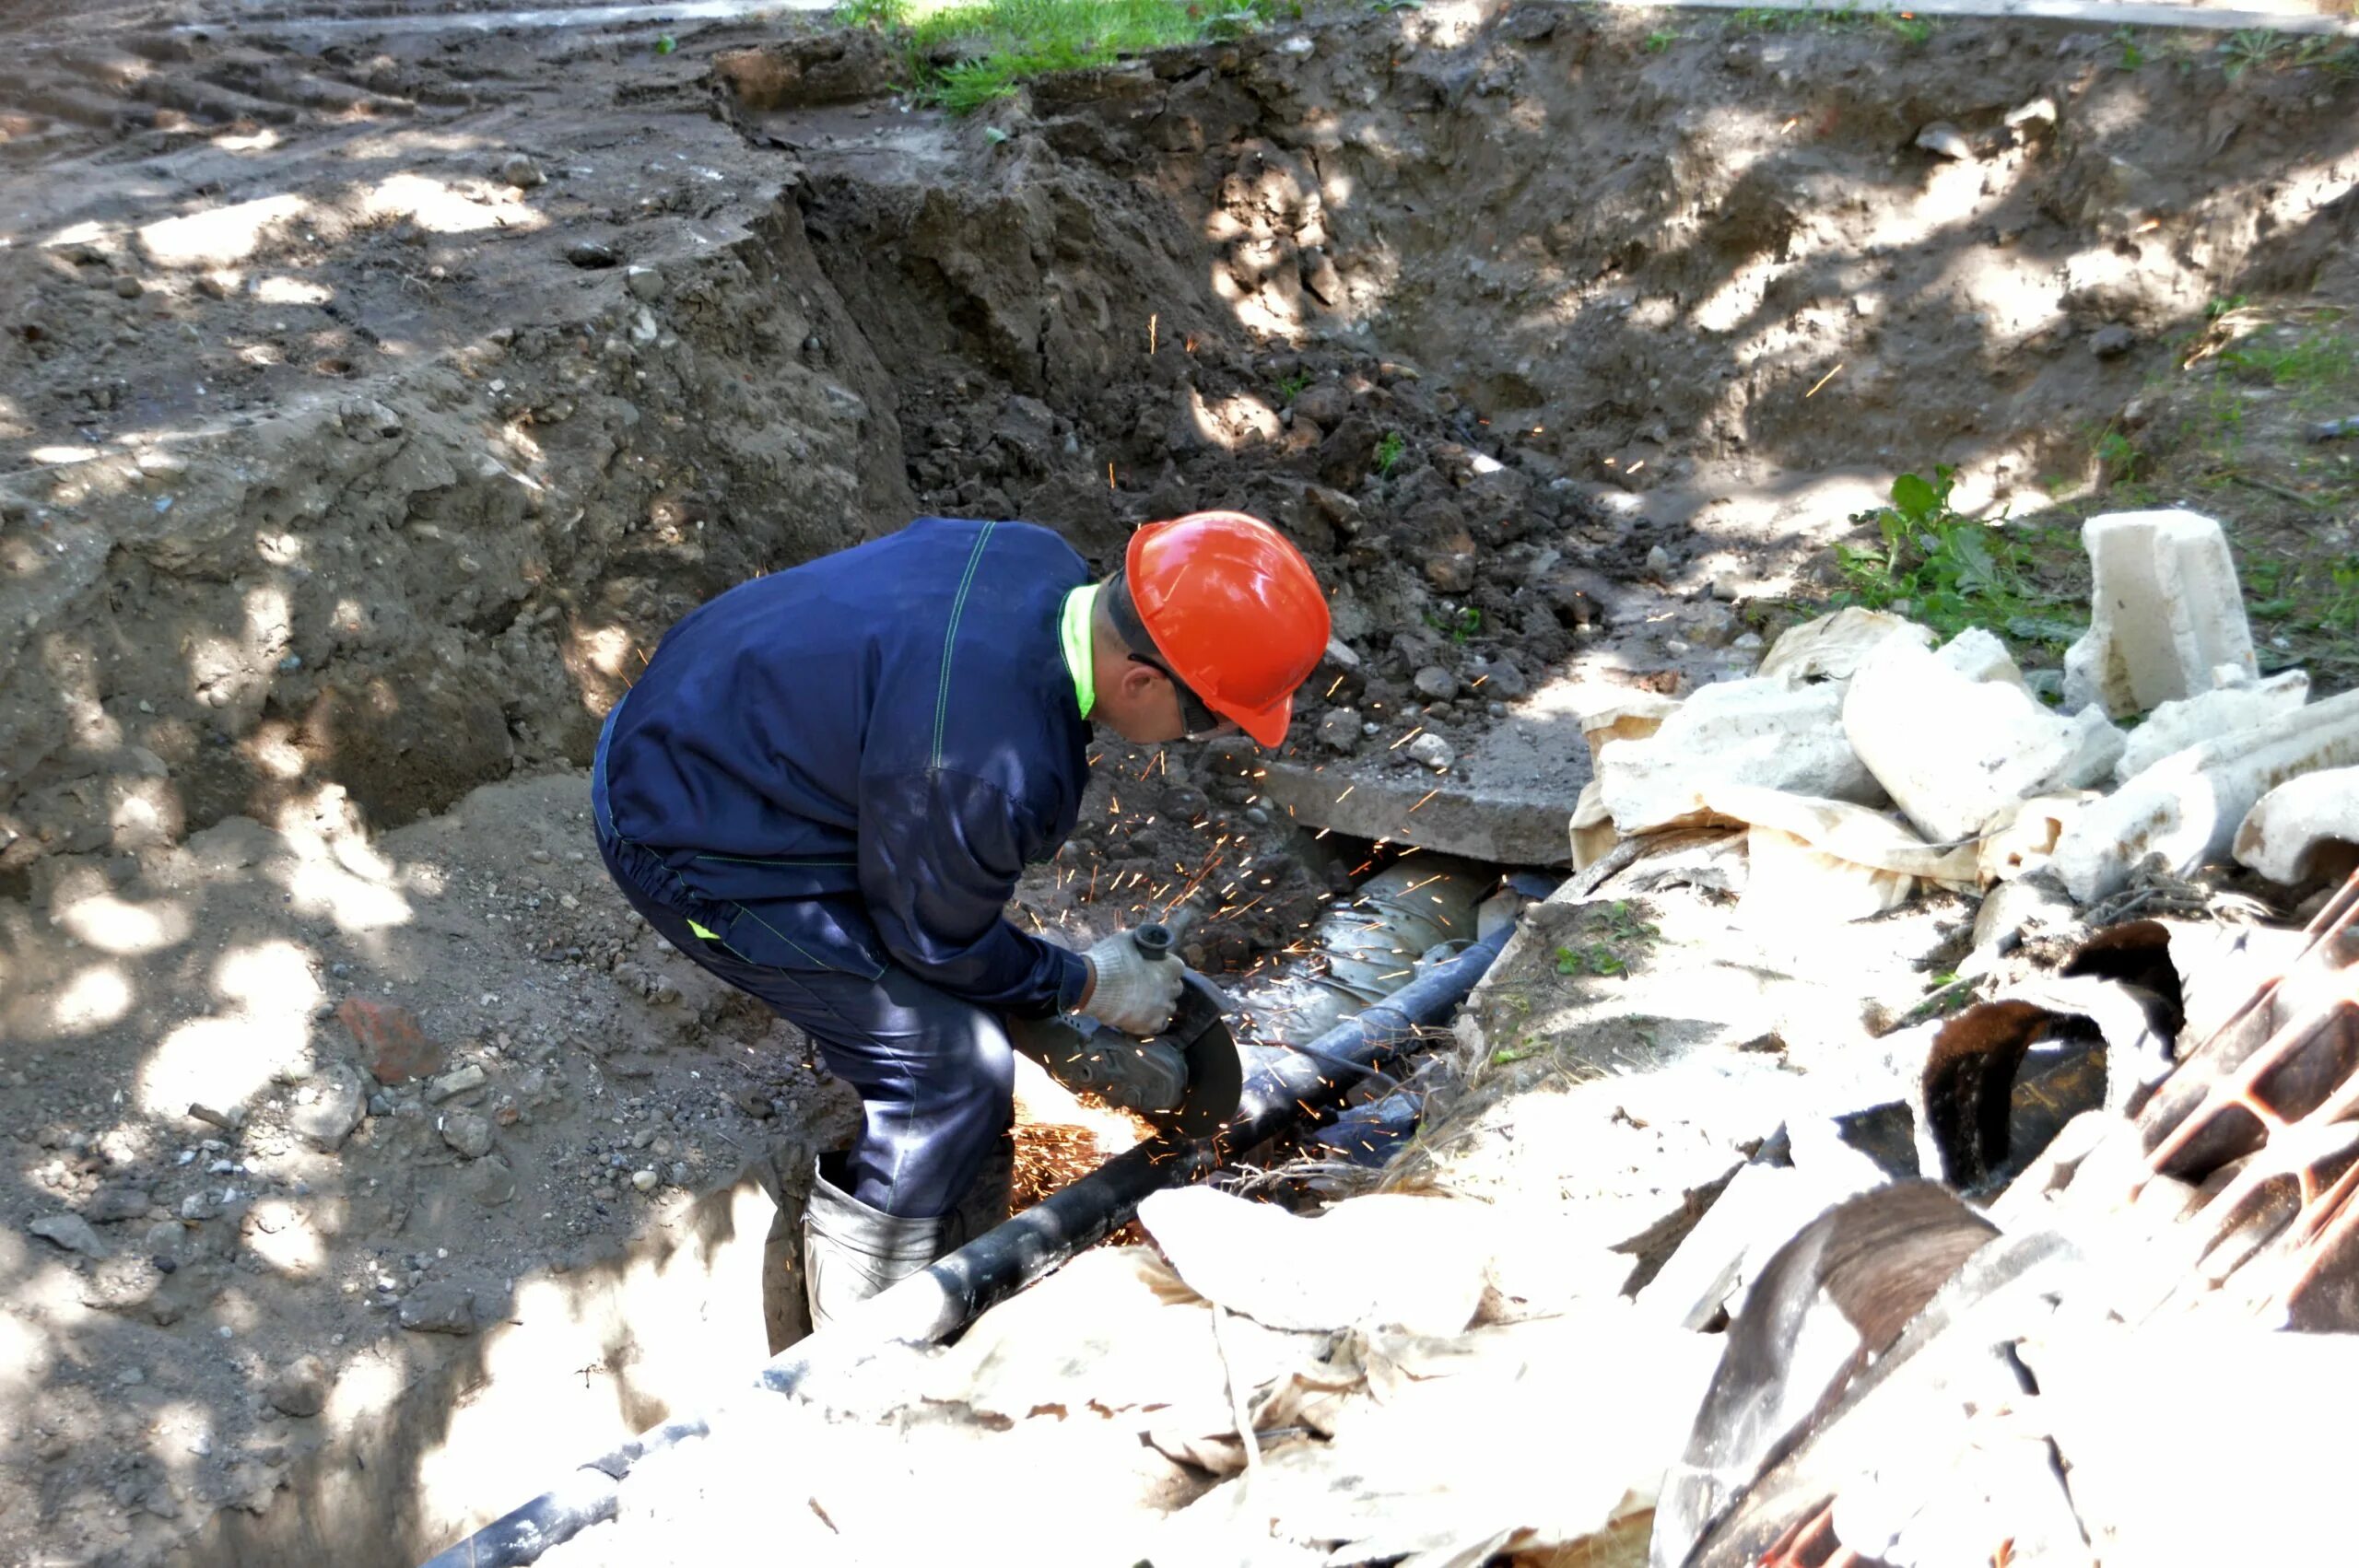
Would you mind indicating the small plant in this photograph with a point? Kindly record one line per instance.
(1950, 571)
(1389, 451)
(1459, 625)
(2215, 309)
(1396, 5)
(2132, 56)
(1593, 958)
(1290, 387)
(1660, 40)
(2116, 455)
(666, 44)
(2248, 47)
(1612, 930)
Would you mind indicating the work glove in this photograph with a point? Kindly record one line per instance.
(1134, 993)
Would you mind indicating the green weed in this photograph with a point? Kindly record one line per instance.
(2243, 50)
(1593, 958)
(1389, 451)
(2312, 366)
(1905, 25)
(1950, 571)
(1458, 627)
(1662, 39)
(1290, 387)
(2132, 56)
(1612, 932)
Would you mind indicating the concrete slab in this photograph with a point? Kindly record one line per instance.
(1507, 799)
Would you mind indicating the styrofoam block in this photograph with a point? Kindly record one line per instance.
(2164, 611)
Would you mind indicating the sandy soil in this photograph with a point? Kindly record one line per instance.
(367, 404)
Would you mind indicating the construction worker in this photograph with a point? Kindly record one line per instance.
(826, 781)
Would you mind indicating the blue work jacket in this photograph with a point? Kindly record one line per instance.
(849, 763)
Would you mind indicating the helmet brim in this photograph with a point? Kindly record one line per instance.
(1267, 727)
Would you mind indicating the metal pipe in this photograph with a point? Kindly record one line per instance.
(926, 1307)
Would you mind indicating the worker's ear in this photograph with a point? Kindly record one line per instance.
(1137, 682)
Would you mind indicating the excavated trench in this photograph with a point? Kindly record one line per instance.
(1552, 346)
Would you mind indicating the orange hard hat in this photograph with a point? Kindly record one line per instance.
(1235, 611)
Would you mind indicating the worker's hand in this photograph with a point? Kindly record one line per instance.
(1132, 992)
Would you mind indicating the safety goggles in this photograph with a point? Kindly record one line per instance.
(1198, 719)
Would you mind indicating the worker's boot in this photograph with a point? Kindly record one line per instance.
(852, 1252)
(988, 1198)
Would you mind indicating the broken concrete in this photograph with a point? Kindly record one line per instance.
(1774, 733)
(2174, 726)
(2165, 612)
(1833, 647)
(2189, 807)
(1956, 750)
(2304, 829)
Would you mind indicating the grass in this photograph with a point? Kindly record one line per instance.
(1608, 940)
(1389, 451)
(967, 53)
(1906, 27)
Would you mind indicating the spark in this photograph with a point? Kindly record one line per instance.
(1347, 790)
(1330, 690)
(1109, 476)
(1428, 795)
(1150, 321)
(1822, 381)
(1406, 739)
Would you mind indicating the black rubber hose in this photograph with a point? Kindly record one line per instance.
(932, 1306)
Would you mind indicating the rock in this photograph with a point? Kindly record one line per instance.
(644, 283)
(592, 253)
(468, 1077)
(491, 1182)
(645, 1181)
(1954, 752)
(1631, 717)
(2165, 612)
(1324, 402)
(1432, 752)
(128, 288)
(337, 1102)
(117, 1200)
(229, 1120)
(1944, 140)
(1500, 678)
(2189, 807)
(1728, 586)
(1832, 646)
(300, 1387)
(522, 171)
(468, 1133)
(2174, 726)
(393, 1046)
(1435, 683)
(2112, 342)
(440, 1306)
(71, 1231)
(1592, 827)
(1339, 729)
(757, 1106)
(1659, 561)
(1450, 572)
(1319, 276)
(1779, 734)
(2304, 829)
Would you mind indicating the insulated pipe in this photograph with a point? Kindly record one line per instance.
(928, 1306)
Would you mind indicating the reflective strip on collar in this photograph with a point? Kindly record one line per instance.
(1073, 633)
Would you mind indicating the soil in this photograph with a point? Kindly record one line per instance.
(375, 399)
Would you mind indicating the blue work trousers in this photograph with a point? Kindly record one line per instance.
(935, 1075)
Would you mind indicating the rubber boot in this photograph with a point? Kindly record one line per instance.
(852, 1252)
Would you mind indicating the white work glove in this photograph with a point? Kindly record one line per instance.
(1134, 993)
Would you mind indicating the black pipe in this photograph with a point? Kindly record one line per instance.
(928, 1307)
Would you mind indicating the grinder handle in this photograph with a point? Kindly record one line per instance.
(1154, 941)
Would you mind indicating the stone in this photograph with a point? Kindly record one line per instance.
(644, 283)
(118, 1200)
(1728, 586)
(645, 1181)
(71, 1231)
(1659, 561)
(2189, 807)
(1944, 140)
(2174, 726)
(2304, 829)
(1592, 827)
(337, 1101)
(1450, 571)
(2112, 341)
(522, 171)
(590, 253)
(1779, 734)
(300, 1387)
(1435, 683)
(1433, 752)
(459, 1082)
(440, 1306)
(229, 1120)
(468, 1133)
(1831, 647)
(491, 1182)
(1499, 679)
(1324, 402)
(2165, 612)
(393, 1046)
(1339, 729)
(1632, 716)
(1954, 752)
